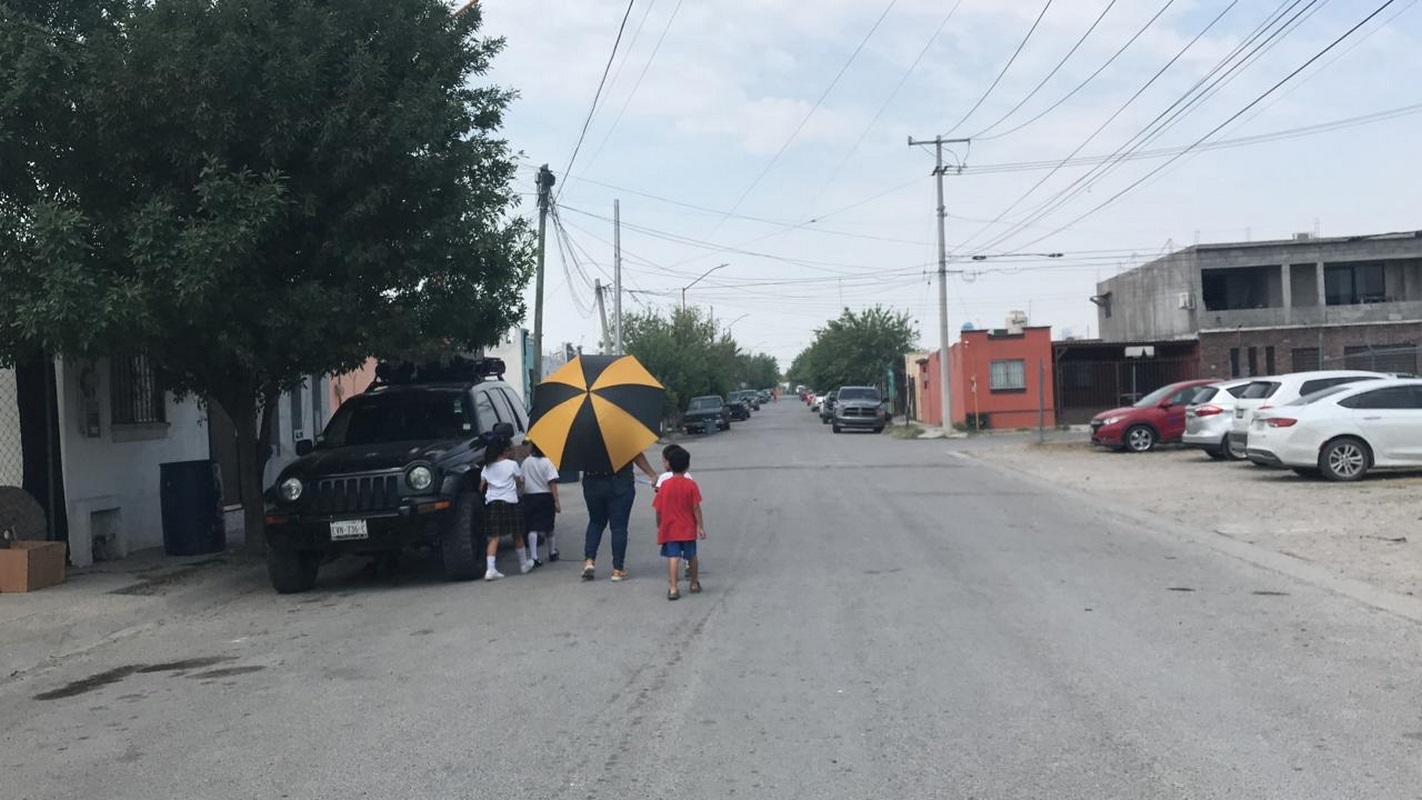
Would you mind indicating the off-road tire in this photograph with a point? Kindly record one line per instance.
(459, 537)
(292, 571)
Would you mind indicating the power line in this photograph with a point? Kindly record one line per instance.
(1089, 78)
(640, 77)
(798, 128)
(1050, 75)
(1166, 118)
(1222, 144)
(1222, 125)
(568, 171)
(1118, 112)
(1005, 68)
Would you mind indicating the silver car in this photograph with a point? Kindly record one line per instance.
(1209, 416)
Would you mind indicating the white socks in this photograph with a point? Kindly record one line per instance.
(552, 545)
(533, 543)
(490, 561)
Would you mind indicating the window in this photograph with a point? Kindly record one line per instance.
(1319, 384)
(1269, 361)
(1382, 358)
(1008, 376)
(1354, 284)
(298, 420)
(1259, 390)
(1253, 361)
(484, 412)
(1234, 362)
(399, 417)
(1391, 397)
(1305, 359)
(135, 394)
(1185, 396)
(504, 402)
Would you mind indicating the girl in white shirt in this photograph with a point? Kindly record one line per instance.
(500, 482)
(540, 503)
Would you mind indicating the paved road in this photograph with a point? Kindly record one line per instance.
(882, 619)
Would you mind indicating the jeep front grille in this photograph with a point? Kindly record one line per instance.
(347, 495)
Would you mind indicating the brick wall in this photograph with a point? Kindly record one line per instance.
(1296, 349)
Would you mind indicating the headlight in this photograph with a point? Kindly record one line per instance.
(1111, 420)
(291, 489)
(420, 478)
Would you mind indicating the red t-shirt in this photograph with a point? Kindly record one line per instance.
(677, 501)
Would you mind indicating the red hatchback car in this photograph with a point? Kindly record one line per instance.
(1157, 418)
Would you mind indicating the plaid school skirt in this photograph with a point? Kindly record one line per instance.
(502, 518)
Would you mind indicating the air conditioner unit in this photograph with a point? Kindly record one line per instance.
(1187, 301)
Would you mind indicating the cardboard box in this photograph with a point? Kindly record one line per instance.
(27, 566)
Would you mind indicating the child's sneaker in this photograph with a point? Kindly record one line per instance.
(589, 571)
(552, 557)
(525, 568)
(493, 575)
(619, 575)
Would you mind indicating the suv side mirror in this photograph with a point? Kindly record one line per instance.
(304, 446)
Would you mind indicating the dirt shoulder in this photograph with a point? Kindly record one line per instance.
(1366, 531)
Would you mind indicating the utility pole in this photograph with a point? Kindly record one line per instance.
(944, 344)
(617, 274)
(604, 340)
(545, 183)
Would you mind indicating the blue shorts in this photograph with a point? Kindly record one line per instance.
(679, 549)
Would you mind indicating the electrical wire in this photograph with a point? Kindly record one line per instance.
(1222, 125)
(597, 96)
(1174, 112)
(640, 77)
(1005, 68)
(1118, 112)
(804, 120)
(1052, 73)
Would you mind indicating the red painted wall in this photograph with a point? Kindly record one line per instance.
(971, 360)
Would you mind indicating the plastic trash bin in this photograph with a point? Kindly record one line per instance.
(192, 509)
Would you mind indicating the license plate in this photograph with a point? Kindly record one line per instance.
(345, 530)
(1239, 413)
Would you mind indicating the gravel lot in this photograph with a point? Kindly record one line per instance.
(1367, 531)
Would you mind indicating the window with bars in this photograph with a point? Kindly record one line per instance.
(135, 395)
(1008, 375)
(1306, 359)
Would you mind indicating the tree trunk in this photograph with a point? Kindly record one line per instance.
(253, 450)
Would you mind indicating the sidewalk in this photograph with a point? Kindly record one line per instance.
(112, 600)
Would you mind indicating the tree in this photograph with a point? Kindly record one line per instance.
(250, 191)
(855, 349)
(682, 351)
(757, 371)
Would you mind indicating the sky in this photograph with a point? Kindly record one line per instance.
(772, 136)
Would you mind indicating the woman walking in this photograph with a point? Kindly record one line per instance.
(609, 497)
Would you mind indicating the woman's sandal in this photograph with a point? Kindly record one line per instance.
(673, 594)
(695, 587)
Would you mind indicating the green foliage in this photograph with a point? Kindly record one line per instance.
(855, 349)
(252, 191)
(683, 352)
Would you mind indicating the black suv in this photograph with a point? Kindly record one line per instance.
(397, 467)
(706, 413)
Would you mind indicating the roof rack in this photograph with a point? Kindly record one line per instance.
(460, 369)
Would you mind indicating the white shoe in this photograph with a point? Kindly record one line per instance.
(525, 568)
(493, 575)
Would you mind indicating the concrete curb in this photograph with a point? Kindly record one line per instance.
(1405, 606)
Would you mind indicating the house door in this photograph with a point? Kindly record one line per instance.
(38, 402)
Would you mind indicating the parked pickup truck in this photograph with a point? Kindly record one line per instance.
(705, 414)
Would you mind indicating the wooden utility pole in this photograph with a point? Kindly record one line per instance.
(545, 183)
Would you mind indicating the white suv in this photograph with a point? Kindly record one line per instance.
(1263, 393)
(1210, 415)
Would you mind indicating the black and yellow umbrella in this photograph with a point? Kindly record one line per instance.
(597, 413)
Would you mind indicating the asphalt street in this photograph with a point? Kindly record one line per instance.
(882, 619)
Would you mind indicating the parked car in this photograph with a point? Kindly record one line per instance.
(738, 408)
(859, 407)
(749, 397)
(827, 407)
(1343, 432)
(1209, 416)
(1157, 418)
(1264, 393)
(817, 402)
(706, 413)
(397, 467)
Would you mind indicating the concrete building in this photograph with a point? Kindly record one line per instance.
(1001, 378)
(1259, 308)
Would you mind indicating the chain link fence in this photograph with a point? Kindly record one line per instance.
(12, 456)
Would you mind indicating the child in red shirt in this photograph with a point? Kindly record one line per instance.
(679, 522)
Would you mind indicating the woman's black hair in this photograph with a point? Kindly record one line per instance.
(497, 448)
(536, 451)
